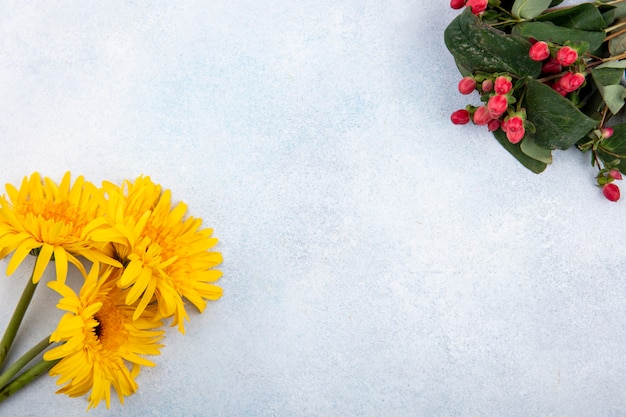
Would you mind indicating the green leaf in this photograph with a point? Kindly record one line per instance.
(529, 9)
(530, 148)
(548, 31)
(617, 45)
(608, 79)
(615, 147)
(613, 96)
(607, 75)
(532, 164)
(558, 122)
(555, 3)
(585, 16)
(478, 47)
(613, 64)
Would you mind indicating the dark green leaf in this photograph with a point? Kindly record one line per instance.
(607, 75)
(478, 47)
(548, 31)
(559, 124)
(515, 150)
(585, 16)
(615, 147)
(555, 3)
(529, 9)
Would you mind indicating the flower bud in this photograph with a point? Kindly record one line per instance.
(615, 174)
(460, 117)
(606, 132)
(556, 87)
(497, 105)
(477, 6)
(571, 82)
(611, 191)
(467, 85)
(566, 56)
(457, 4)
(503, 84)
(487, 85)
(551, 66)
(482, 116)
(515, 129)
(493, 125)
(539, 51)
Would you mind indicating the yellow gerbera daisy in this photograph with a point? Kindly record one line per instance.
(52, 220)
(101, 339)
(167, 257)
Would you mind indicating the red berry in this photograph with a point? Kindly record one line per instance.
(503, 85)
(457, 4)
(467, 85)
(515, 129)
(571, 82)
(493, 125)
(482, 116)
(477, 6)
(497, 105)
(460, 117)
(551, 66)
(539, 51)
(611, 191)
(566, 56)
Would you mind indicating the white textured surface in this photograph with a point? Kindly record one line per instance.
(379, 261)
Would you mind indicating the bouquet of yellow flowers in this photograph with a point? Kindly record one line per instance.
(140, 256)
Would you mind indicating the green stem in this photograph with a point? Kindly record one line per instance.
(12, 370)
(16, 319)
(33, 372)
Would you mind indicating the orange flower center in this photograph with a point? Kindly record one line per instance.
(110, 330)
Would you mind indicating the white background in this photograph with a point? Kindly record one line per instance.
(378, 260)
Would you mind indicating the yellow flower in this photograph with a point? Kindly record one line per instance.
(167, 257)
(101, 339)
(51, 220)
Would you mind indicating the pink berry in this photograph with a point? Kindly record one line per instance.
(503, 85)
(487, 85)
(460, 117)
(497, 105)
(566, 56)
(477, 6)
(615, 174)
(539, 51)
(571, 82)
(467, 85)
(611, 191)
(515, 129)
(607, 132)
(482, 116)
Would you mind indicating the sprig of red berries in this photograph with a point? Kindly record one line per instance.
(566, 68)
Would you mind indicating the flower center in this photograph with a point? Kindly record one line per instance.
(56, 212)
(110, 330)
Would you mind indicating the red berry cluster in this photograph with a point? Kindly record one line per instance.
(497, 113)
(555, 58)
(609, 173)
(477, 6)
